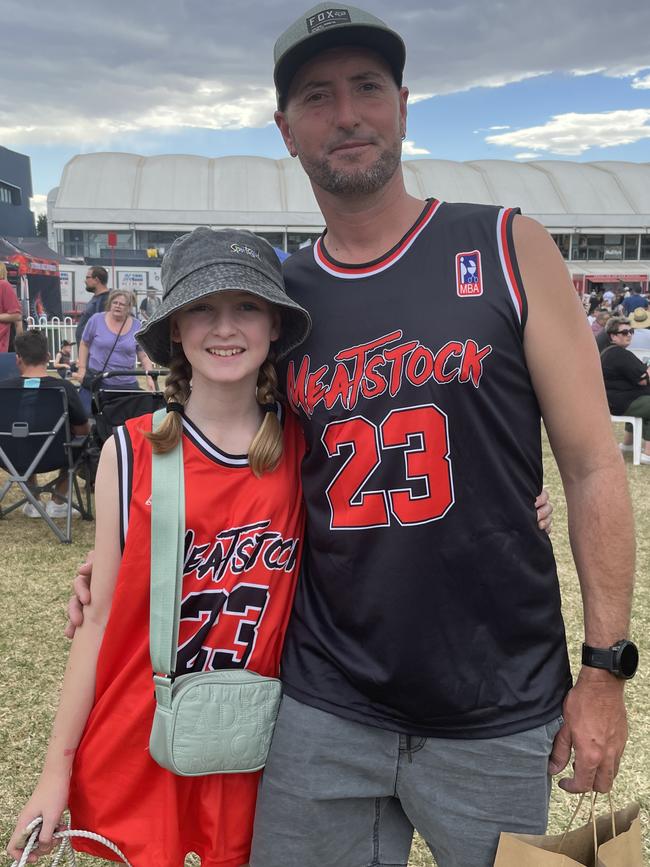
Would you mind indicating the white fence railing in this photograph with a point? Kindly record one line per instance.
(57, 331)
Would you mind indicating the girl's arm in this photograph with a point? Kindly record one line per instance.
(51, 794)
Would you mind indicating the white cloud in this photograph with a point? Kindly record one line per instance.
(642, 83)
(572, 134)
(95, 75)
(526, 156)
(500, 127)
(581, 73)
(211, 106)
(409, 149)
(419, 97)
(38, 204)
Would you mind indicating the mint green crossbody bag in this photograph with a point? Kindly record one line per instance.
(208, 722)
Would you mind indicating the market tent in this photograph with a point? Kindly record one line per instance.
(38, 269)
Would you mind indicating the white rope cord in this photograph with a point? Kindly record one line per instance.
(65, 847)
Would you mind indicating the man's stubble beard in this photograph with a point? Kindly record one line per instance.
(353, 182)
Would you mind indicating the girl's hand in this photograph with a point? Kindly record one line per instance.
(49, 800)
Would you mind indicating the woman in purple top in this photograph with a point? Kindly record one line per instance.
(108, 343)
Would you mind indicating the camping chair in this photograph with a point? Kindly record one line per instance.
(8, 367)
(113, 406)
(35, 438)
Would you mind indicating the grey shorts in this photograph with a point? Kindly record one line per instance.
(337, 793)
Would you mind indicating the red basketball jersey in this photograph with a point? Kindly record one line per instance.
(242, 553)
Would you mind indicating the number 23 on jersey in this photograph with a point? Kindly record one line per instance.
(421, 431)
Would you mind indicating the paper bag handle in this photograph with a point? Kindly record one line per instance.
(592, 818)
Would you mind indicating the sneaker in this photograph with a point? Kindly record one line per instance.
(645, 459)
(59, 510)
(625, 448)
(30, 511)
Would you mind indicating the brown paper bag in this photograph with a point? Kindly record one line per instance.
(576, 848)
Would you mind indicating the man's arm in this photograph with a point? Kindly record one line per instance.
(566, 374)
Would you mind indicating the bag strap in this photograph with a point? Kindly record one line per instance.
(65, 847)
(167, 556)
(108, 358)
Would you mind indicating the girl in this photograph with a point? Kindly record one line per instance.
(224, 316)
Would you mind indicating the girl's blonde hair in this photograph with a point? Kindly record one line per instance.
(3, 271)
(265, 451)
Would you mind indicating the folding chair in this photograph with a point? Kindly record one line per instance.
(113, 406)
(35, 438)
(8, 365)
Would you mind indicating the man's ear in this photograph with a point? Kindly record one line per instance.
(283, 125)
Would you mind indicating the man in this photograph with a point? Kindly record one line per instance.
(32, 356)
(425, 668)
(640, 321)
(634, 301)
(97, 283)
(149, 304)
(609, 296)
(10, 310)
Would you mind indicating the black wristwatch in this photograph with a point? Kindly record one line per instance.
(621, 659)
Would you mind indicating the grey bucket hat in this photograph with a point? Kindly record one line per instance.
(329, 25)
(206, 261)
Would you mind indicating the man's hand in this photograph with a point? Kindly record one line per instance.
(595, 725)
(544, 511)
(81, 597)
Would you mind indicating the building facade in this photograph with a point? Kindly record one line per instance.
(598, 213)
(16, 219)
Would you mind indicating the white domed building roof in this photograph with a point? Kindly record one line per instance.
(110, 190)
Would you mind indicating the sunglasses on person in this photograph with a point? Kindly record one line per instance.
(625, 332)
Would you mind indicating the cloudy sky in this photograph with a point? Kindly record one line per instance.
(509, 79)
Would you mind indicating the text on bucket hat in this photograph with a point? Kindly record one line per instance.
(330, 26)
(206, 261)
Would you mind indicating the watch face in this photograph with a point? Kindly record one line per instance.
(629, 659)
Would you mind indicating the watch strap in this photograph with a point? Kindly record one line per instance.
(598, 657)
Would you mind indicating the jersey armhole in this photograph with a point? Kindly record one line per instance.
(124, 451)
(509, 264)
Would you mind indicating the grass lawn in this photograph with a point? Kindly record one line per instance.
(35, 574)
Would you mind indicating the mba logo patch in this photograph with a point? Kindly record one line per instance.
(469, 279)
(327, 18)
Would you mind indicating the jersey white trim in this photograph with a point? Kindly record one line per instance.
(124, 461)
(211, 450)
(514, 297)
(371, 270)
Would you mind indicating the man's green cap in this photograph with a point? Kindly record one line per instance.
(328, 26)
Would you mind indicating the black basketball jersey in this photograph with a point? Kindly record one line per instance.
(428, 601)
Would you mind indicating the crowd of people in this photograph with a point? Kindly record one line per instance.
(621, 324)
